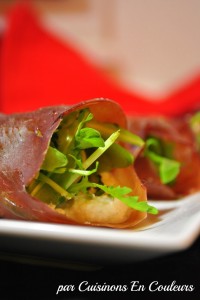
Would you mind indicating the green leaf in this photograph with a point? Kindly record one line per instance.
(77, 161)
(168, 168)
(63, 138)
(115, 157)
(98, 152)
(93, 157)
(145, 207)
(88, 138)
(128, 137)
(84, 117)
(121, 193)
(153, 145)
(54, 161)
(116, 192)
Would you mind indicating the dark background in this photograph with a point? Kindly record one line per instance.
(33, 281)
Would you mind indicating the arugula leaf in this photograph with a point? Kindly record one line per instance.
(84, 117)
(115, 157)
(54, 161)
(118, 192)
(88, 138)
(121, 193)
(93, 157)
(168, 168)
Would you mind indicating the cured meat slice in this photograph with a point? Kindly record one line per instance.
(24, 142)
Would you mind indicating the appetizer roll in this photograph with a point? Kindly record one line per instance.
(169, 164)
(71, 165)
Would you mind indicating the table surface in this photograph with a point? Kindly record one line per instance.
(20, 280)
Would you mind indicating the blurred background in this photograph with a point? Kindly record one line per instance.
(149, 46)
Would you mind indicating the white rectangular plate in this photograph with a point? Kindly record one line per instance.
(174, 229)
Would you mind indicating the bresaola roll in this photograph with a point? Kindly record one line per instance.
(169, 163)
(71, 165)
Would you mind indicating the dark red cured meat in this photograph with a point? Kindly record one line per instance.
(24, 139)
(178, 132)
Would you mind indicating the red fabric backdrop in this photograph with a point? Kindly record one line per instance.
(37, 69)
